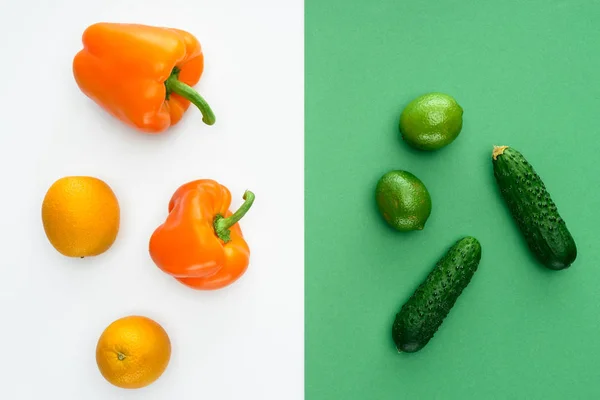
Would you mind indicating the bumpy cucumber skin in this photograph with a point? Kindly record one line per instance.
(534, 211)
(422, 315)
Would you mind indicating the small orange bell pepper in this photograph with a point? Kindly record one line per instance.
(142, 75)
(201, 244)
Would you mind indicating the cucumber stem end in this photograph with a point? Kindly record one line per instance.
(498, 150)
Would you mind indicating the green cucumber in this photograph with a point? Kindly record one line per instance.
(532, 208)
(422, 315)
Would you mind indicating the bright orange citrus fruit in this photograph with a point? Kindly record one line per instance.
(133, 352)
(81, 216)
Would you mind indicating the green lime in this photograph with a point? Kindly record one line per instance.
(403, 200)
(431, 121)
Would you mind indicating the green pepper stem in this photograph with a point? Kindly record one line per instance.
(222, 224)
(174, 85)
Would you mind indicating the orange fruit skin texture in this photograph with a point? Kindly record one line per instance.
(81, 216)
(133, 352)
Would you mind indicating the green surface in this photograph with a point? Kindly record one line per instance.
(526, 74)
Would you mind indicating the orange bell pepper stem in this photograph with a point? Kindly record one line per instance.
(174, 85)
(142, 75)
(200, 243)
(222, 224)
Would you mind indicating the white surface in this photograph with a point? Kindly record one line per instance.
(243, 342)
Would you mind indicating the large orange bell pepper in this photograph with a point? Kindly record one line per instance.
(201, 244)
(142, 75)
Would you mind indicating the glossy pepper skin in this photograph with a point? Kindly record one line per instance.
(201, 244)
(142, 75)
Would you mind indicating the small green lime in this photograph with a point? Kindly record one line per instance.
(431, 121)
(403, 200)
